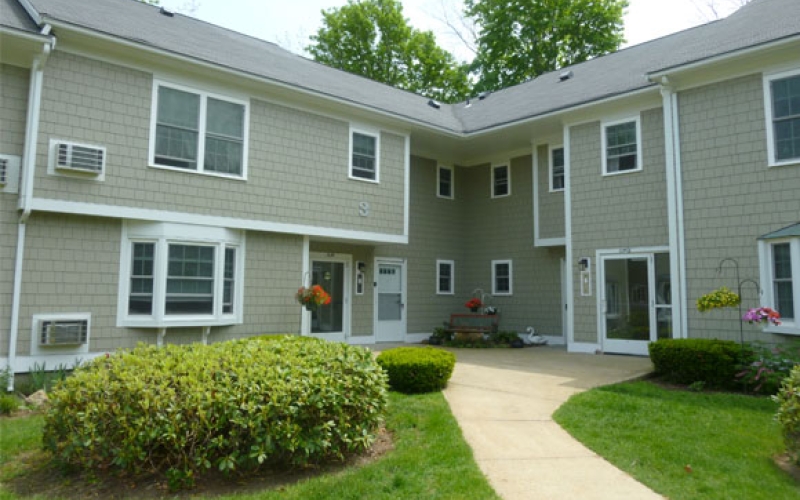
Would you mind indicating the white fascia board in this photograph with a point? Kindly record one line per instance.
(81, 208)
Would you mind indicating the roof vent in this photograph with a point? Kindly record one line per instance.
(434, 104)
(564, 76)
(483, 95)
(166, 12)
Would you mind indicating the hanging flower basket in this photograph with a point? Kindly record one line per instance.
(722, 297)
(312, 297)
(762, 315)
(473, 304)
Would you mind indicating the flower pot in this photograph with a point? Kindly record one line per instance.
(310, 307)
(434, 340)
(473, 309)
(517, 343)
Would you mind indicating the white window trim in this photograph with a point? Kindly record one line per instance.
(766, 275)
(164, 234)
(439, 181)
(495, 166)
(452, 265)
(767, 87)
(510, 277)
(550, 169)
(38, 350)
(371, 132)
(604, 126)
(204, 95)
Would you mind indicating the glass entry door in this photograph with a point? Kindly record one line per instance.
(330, 319)
(635, 301)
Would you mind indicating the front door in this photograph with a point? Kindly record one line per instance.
(331, 321)
(390, 298)
(635, 303)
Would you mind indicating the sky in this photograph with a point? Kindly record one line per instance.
(290, 23)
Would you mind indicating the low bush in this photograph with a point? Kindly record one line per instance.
(180, 410)
(8, 403)
(788, 416)
(686, 361)
(414, 370)
(768, 367)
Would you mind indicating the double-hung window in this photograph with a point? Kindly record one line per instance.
(364, 155)
(501, 180)
(199, 132)
(445, 182)
(445, 277)
(622, 146)
(556, 168)
(779, 254)
(782, 102)
(502, 277)
(176, 275)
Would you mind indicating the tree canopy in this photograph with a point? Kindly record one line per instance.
(521, 39)
(372, 38)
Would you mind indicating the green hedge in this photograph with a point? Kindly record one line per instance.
(181, 410)
(414, 370)
(788, 416)
(686, 361)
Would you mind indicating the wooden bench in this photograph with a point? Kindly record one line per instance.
(473, 323)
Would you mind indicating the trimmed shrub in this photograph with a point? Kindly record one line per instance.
(180, 410)
(686, 361)
(414, 370)
(788, 416)
(8, 403)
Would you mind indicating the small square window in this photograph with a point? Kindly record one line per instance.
(502, 277)
(445, 182)
(621, 147)
(364, 153)
(445, 277)
(557, 169)
(501, 180)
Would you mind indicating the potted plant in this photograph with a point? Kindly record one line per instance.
(439, 336)
(312, 297)
(473, 304)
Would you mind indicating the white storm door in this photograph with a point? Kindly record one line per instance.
(390, 301)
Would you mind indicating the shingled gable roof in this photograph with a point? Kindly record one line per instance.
(12, 15)
(759, 22)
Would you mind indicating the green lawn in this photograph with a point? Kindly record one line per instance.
(727, 440)
(431, 460)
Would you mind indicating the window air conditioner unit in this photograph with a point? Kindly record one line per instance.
(80, 158)
(3, 171)
(64, 332)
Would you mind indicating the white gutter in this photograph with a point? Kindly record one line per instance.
(680, 222)
(26, 192)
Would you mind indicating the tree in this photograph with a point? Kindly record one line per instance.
(521, 39)
(372, 38)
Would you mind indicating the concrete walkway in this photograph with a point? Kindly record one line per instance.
(504, 399)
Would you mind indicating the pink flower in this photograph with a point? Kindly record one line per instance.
(762, 314)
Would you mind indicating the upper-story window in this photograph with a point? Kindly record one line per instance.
(557, 168)
(779, 253)
(783, 117)
(445, 182)
(200, 132)
(501, 180)
(364, 155)
(622, 148)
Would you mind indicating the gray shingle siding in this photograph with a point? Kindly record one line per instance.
(298, 161)
(551, 205)
(730, 196)
(619, 211)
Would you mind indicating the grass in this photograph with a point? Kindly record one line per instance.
(727, 440)
(431, 460)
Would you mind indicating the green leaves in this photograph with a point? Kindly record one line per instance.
(371, 38)
(414, 370)
(521, 39)
(234, 406)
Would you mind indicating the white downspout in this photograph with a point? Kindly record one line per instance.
(305, 316)
(26, 193)
(674, 208)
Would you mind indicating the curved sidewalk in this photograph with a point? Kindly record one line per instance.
(504, 399)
